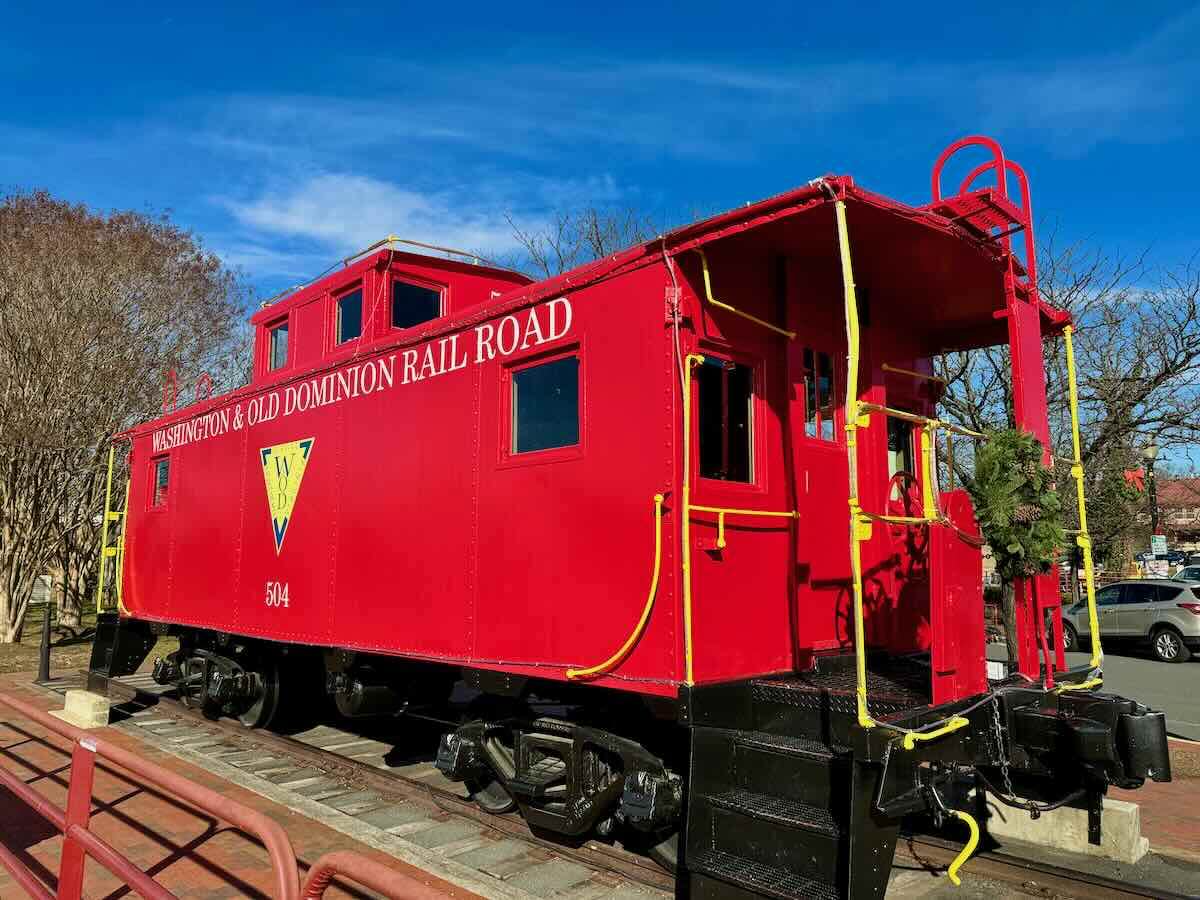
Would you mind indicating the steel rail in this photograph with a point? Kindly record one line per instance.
(1008, 868)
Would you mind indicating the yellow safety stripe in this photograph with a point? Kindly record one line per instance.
(790, 335)
(620, 655)
(1083, 539)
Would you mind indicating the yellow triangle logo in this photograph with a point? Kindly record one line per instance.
(283, 470)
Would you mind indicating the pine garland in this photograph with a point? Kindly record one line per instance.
(1017, 507)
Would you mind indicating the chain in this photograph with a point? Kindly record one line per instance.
(1001, 755)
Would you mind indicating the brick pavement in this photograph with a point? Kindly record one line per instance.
(1170, 815)
(186, 850)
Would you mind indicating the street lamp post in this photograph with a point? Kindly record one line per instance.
(1150, 453)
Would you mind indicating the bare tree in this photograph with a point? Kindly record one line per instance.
(1137, 349)
(93, 309)
(570, 239)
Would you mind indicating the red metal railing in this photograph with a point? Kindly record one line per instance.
(80, 842)
(368, 872)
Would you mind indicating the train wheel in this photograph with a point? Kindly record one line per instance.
(491, 795)
(192, 688)
(261, 712)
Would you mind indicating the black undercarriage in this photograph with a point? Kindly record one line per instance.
(764, 787)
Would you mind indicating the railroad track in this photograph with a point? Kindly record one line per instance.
(383, 781)
(391, 782)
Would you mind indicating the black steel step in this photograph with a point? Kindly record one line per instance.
(779, 810)
(759, 878)
(792, 746)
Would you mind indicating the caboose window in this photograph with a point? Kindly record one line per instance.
(413, 305)
(818, 395)
(278, 346)
(349, 316)
(725, 421)
(545, 405)
(162, 478)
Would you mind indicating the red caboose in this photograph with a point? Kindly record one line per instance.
(700, 472)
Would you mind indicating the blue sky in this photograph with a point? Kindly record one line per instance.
(287, 135)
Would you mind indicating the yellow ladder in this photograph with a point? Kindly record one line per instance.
(115, 552)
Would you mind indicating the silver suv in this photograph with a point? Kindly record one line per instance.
(1161, 612)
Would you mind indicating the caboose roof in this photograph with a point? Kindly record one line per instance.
(950, 276)
(890, 239)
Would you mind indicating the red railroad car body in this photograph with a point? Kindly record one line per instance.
(415, 529)
(695, 472)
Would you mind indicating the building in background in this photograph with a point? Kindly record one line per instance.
(1179, 512)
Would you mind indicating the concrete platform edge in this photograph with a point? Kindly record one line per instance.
(427, 860)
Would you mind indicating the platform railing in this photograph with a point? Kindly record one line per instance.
(350, 866)
(80, 842)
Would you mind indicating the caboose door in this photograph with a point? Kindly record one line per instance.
(816, 366)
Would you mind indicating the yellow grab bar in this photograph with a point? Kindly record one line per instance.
(927, 474)
(1081, 686)
(722, 512)
(859, 525)
(965, 853)
(899, 371)
(693, 359)
(790, 335)
(108, 516)
(620, 655)
(911, 737)
(1083, 539)
(918, 419)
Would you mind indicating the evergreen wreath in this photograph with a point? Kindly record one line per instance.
(1019, 512)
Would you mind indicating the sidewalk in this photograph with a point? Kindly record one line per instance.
(1171, 811)
(184, 849)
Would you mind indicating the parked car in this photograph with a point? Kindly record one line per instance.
(1176, 557)
(1161, 613)
(1187, 573)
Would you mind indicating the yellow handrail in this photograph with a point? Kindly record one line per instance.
(965, 853)
(860, 525)
(918, 419)
(693, 359)
(722, 512)
(790, 335)
(912, 374)
(620, 655)
(109, 516)
(955, 723)
(118, 574)
(1083, 539)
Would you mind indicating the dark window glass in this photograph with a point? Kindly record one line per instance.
(1108, 596)
(724, 412)
(545, 406)
(279, 347)
(162, 476)
(349, 316)
(1139, 593)
(1165, 593)
(413, 304)
(819, 421)
(900, 446)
